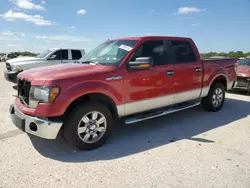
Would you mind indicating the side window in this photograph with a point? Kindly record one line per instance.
(155, 49)
(183, 51)
(76, 54)
(57, 54)
(65, 55)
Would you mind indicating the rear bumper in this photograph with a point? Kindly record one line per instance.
(33, 125)
(11, 76)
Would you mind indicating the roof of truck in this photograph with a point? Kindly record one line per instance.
(152, 37)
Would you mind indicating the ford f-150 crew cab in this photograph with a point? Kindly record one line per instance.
(51, 56)
(136, 78)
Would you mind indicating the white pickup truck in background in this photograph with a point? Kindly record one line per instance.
(51, 56)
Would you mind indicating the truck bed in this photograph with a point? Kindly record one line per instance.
(223, 62)
(226, 59)
(223, 65)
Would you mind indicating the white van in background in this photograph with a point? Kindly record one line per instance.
(51, 56)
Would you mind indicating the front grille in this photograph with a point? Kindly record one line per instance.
(8, 67)
(23, 88)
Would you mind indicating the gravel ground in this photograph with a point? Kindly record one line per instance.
(200, 149)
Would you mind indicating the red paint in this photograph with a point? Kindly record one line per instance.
(76, 80)
(147, 84)
(214, 68)
(185, 77)
(243, 70)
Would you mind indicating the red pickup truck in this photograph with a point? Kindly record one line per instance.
(137, 78)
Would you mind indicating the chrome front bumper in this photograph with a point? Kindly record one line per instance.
(33, 125)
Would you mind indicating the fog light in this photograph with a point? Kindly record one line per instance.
(33, 127)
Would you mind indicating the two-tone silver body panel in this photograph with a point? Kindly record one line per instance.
(163, 101)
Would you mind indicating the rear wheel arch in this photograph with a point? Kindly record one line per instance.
(220, 79)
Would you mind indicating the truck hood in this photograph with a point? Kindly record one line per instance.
(20, 60)
(243, 70)
(62, 71)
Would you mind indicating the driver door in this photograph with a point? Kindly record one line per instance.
(153, 88)
(55, 58)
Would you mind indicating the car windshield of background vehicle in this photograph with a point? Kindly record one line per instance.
(245, 62)
(109, 53)
(44, 53)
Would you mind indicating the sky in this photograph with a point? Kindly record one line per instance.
(35, 25)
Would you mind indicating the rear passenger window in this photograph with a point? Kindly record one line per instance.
(155, 49)
(183, 51)
(65, 55)
(76, 54)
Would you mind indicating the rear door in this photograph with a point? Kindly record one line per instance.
(149, 89)
(75, 55)
(187, 76)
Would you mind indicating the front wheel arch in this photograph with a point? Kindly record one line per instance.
(93, 97)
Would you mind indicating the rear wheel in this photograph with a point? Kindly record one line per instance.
(215, 98)
(88, 126)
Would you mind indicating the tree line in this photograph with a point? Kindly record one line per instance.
(232, 54)
(16, 54)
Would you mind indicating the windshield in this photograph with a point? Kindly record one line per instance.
(245, 62)
(109, 53)
(44, 54)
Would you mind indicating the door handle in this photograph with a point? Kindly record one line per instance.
(198, 69)
(170, 72)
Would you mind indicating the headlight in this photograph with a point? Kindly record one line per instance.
(42, 95)
(16, 68)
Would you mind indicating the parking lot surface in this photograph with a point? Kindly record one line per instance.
(192, 148)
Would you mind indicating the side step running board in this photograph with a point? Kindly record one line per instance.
(139, 118)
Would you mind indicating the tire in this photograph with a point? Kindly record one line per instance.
(208, 103)
(85, 138)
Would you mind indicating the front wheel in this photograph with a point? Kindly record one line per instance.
(88, 126)
(215, 98)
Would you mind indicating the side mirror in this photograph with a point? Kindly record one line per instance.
(52, 57)
(141, 63)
